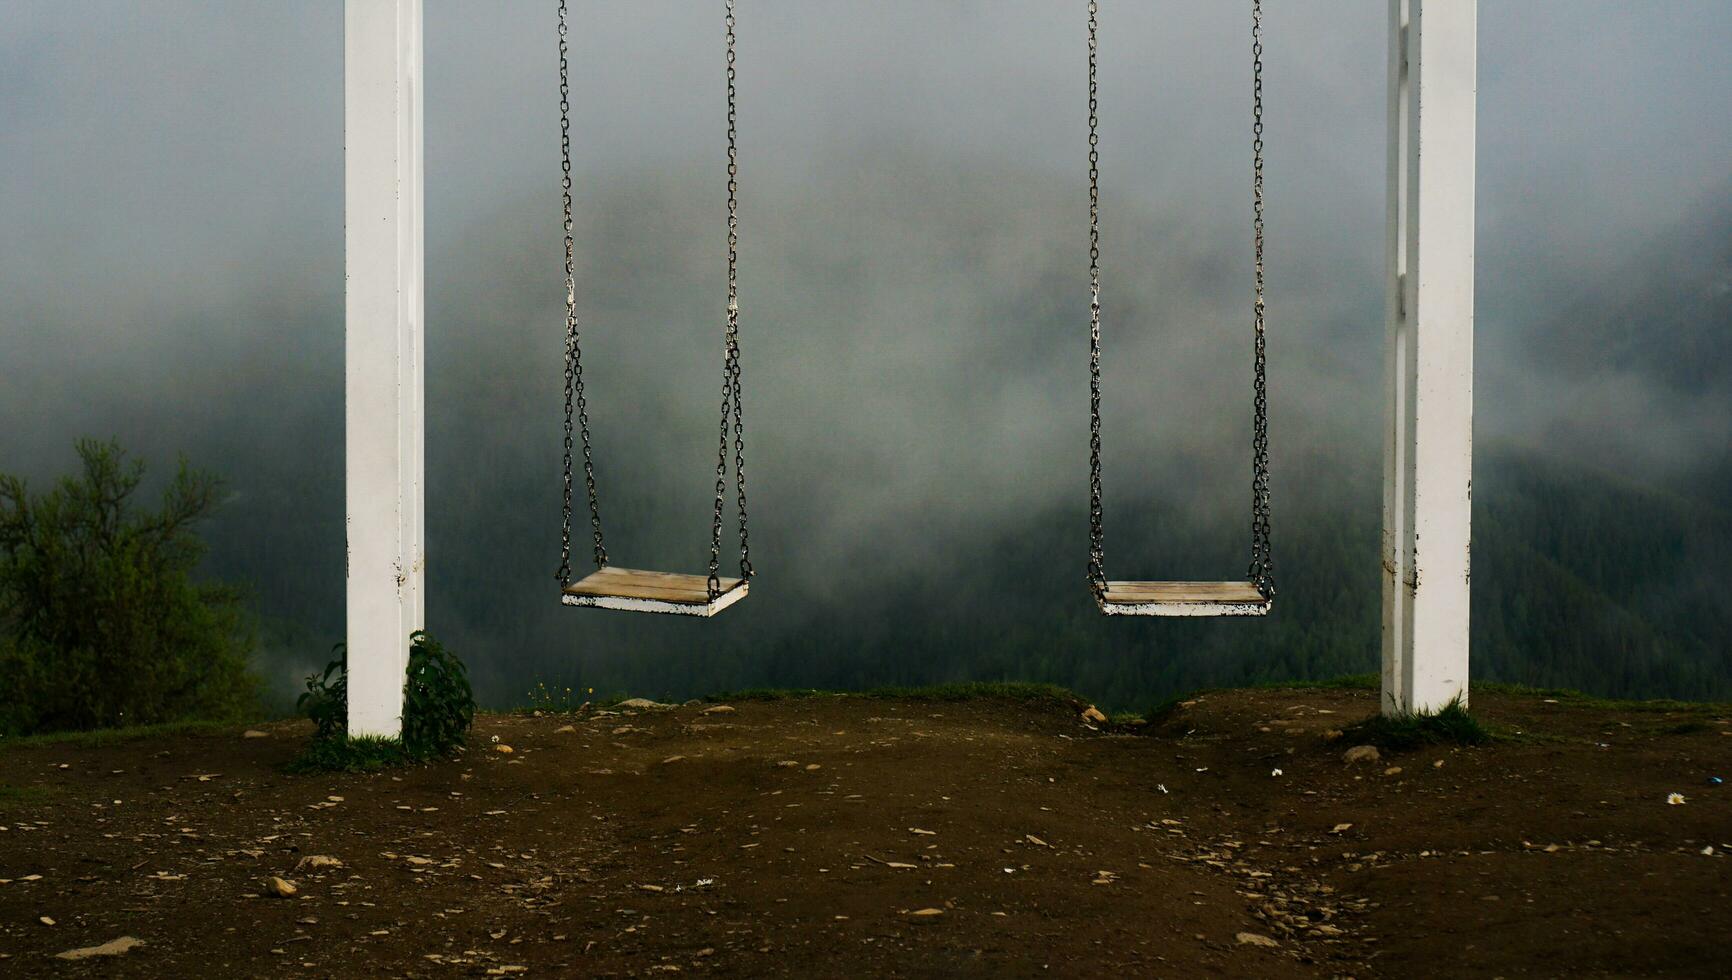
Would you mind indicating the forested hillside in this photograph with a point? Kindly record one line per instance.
(917, 430)
(918, 481)
(1581, 579)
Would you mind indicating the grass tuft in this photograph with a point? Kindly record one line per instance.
(1577, 699)
(99, 737)
(977, 690)
(770, 694)
(963, 691)
(11, 796)
(1163, 710)
(364, 753)
(1346, 682)
(1449, 725)
(1686, 728)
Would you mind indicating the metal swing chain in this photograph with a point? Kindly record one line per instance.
(733, 301)
(731, 391)
(1097, 576)
(1262, 560)
(574, 398)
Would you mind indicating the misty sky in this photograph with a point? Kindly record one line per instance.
(914, 225)
(162, 161)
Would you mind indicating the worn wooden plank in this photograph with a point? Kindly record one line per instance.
(1182, 592)
(631, 583)
(1198, 599)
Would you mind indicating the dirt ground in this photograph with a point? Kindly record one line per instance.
(850, 836)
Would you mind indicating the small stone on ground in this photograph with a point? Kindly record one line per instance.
(114, 947)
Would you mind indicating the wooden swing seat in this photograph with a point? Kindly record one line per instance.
(656, 592)
(1184, 599)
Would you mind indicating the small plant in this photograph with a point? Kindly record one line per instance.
(557, 700)
(362, 754)
(438, 708)
(326, 701)
(438, 705)
(1450, 725)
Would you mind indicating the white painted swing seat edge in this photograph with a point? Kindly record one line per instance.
(634, 590)
(1183, 599)
(1184, 609)
(630, 604)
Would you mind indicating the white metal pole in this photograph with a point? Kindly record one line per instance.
(1428, 442)
(383, 353)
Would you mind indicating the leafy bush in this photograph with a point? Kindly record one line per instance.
(326, 701)
(438, 708)
(438, 705)
(101, 621)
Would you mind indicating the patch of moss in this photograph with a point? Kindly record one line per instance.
(99, 737)
(1449, 725)
(364, 753)
(978, 690)
(963, 691)
(14, 796)
(1577, 699)
(1346, 682)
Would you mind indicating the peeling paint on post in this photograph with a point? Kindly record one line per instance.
(383, 348)
(1428, 439)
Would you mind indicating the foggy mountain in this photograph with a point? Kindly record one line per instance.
(913, 287)
(1634, 363)
(916, 436)
(1663, 315)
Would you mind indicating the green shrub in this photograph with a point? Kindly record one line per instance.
(438, 708)
(101, 621)
(438, 705)
(326, 701)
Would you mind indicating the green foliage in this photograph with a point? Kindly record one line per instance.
(1691, 727)
(1580, 579)
(963, 691)
(326, 701)
(438, 708)
(772, 694)
(101, 621)
(1349, 682)
(364, 753)
(557, 700)
(1164, 709)
(971, 690)
(1569, 698)
(18, 797)
(1449, 725)
(438, 705)
(102, 737)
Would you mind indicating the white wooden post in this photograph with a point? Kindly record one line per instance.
(382, 361)
(1428, 443)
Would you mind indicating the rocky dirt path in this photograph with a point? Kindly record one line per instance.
(849, 836)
